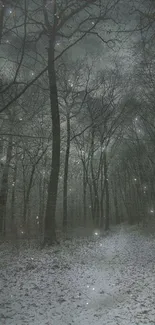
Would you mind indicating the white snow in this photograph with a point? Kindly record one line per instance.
(100, 280)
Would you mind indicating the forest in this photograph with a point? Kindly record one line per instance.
(77, 115)
(77, 124)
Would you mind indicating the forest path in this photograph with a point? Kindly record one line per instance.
(93, 281)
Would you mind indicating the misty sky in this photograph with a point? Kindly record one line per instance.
(103, 53)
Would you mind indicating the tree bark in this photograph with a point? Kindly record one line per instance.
(117, 215)
(65, 185)
(2, 9)
(95, 185)
(102, 192)
(107, 221)
(26, 200)
(13, 197)
(42, 190)
(4, 188)
(84, 196)
(49, 226)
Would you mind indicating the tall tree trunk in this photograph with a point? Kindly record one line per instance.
(95, 185)
(49, 228)
(102, 192)
(1, 145)
(115, 201)
(129, 197)
(117, 215)
(42, 189)
(102, 210)
(26, 199)
(4, 188)
(123, 196)
(13, 228)
(96, 199)
(107, 221)
(42, 194)
(84, 196)
(2, 10)
(91, 200)
(65, 185)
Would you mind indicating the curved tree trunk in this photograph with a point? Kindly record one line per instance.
(49, 226)
(65, 185)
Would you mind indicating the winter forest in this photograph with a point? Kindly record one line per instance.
(77, 158)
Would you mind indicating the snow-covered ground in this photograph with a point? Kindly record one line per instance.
(94, 281)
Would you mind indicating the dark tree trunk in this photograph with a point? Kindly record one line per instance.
(2, 10)
(13, 197)
(97, 210)
(4, 188)
(84, 196)
(130, 196)
(123, 193)
(107, 221)
(95, 187)
(91, 200)
(102, 209)
(117, 216)
(42, 190)
(1, 145)
(26, 200)
(49, 226)
(27, 192)
(115, 198)
(102, 193)
(65, 185)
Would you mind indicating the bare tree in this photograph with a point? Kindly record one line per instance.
(60, 17)
(4, 187)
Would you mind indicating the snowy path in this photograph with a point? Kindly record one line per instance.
(109, 280)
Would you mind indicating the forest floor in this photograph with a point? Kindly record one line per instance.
(98, 280)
